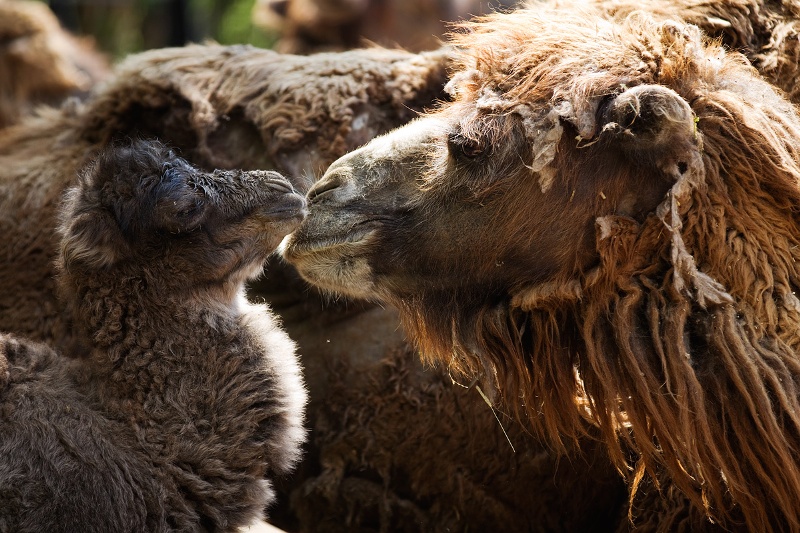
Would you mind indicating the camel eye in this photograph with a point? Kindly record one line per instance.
(463, 147)
(191, 210)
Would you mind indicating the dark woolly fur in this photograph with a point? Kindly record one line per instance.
(189, 400)
(689, 360)
(403, 449)
(602, 225)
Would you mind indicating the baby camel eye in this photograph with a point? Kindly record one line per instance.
(463, 147)
(191, 210)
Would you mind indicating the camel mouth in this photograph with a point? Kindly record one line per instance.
(336, 261)
(318, 238)
(303, 246)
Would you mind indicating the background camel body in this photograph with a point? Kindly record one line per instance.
(241, 107)
(396, 446)
(188, 399)
(40, 63)
(601, 226)
(766, 32)
(307, 26)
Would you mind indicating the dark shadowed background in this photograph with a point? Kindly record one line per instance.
(121, 27)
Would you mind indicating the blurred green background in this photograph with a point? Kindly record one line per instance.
(121, 27)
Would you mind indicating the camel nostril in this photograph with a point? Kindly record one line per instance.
(324, 186)
(269, 179)
(280, 185)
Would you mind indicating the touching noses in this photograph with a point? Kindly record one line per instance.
(329, 189)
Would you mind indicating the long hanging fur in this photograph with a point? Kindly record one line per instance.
(681, 345)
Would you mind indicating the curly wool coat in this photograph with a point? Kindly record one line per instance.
(188, 399)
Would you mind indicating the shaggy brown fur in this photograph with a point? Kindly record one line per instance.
(398, 448)
(40, 63)
(603, 225)
(452, 469)
(189, 399)
(223, 107)
(367, 467)
(768, 33)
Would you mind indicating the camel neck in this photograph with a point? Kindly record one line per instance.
(131, 323)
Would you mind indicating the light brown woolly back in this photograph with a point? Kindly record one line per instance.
(681, 345)
(293, 113)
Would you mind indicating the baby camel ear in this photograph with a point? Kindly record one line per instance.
(91, 241)
(654, 122)
(90, 237)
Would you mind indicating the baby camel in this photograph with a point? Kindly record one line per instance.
(190, 397)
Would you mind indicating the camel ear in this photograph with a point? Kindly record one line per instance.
(653, 122)
(91, 240)
(647, 117)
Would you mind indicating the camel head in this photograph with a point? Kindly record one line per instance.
(601, 224)
(141, 210)
(500, 190)
(450, 206)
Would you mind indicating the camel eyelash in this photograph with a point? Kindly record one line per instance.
(465, 148)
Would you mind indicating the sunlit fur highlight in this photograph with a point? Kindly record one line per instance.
(766, 32)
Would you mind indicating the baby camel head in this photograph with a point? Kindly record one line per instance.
(140, 210)
(604, 225)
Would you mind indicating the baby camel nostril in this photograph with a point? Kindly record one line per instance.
(280, 185)
(271, 179)
(322, 187)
